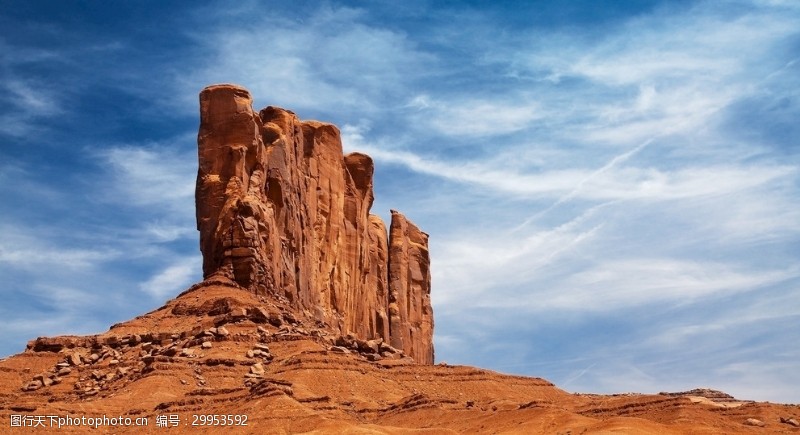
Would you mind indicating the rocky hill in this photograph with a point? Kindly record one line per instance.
(312, 318)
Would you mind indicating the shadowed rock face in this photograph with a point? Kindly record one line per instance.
(282, 212)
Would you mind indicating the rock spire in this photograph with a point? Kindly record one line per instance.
(282, 212)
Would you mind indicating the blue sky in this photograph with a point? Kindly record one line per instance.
(611, 190)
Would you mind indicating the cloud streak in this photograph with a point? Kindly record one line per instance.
(607, 191)
(330, 61)
(153, 175)
(174, 278)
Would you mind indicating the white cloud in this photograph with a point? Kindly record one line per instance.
(473, 117)
(667, 72)
(160, 231)
(570, 268)
(33, 100)
(491, 259)
(20, 249)
(612, 181)
(694, 46)
(27, 99)
(614, 285)
(69, 299)
(332, 60)
(152, 176)
(30, 104)
(174, 278)
(26, 180)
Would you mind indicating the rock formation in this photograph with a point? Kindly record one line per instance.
(282, 212)
(410, 315)
(294, 262)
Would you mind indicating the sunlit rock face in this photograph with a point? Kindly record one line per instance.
(282, 212)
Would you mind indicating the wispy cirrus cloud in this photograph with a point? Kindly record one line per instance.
(175, 277)
(608, 182)
(153, 175)
(24, 251)
(611, 285)
(31, 97)
(27, 102)
(332, 60)
(473, 117)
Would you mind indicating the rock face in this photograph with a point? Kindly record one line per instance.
(282, 212)
(410, 312)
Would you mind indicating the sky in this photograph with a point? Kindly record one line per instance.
(611, 188)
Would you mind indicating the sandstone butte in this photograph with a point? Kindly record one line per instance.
(311, 318)
(282, 213)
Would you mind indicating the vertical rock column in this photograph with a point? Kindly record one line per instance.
(229, 197)
(367, 245)
(410, 311)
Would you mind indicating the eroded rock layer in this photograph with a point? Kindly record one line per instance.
(281, 211)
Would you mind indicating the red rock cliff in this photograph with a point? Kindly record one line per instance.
(282, 212)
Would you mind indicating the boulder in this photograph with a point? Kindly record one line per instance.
(257, 369)
(76, 359)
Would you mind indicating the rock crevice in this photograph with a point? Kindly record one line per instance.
(282, 212)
